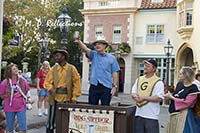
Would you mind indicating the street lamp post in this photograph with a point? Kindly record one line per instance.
(1, 31)
(168, 51)
(43, 48)
(63, 21)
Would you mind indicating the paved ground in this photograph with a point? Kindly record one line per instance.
(37, 124)
(33, 121)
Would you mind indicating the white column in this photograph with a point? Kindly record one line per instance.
(1, 31)
(85, 74)
(24, 66)
(4, 64)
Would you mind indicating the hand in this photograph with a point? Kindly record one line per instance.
(30, 101)
(76, 40)
(140, 98)
(113, 91)
(3, 124)
(134, 96)
(76, 36)
(38, 90)
(52, 92)
(168, 95)
(73, 102)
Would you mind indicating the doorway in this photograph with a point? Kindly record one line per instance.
(121, 74)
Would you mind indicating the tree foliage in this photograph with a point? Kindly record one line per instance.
(26, 18)
(73, 7)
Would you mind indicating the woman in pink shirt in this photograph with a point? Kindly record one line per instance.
(14, 89)
(183, 99)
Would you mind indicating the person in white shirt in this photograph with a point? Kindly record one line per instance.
(148, 92)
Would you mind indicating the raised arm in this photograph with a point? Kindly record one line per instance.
(83, 47)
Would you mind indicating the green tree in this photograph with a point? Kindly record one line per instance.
(75, 53)
(26, 17)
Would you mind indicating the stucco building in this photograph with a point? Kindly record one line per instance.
(188, 28)
(146, 26)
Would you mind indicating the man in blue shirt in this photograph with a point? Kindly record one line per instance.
(104, 72)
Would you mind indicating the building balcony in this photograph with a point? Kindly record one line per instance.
(185, 32)
(106, 4)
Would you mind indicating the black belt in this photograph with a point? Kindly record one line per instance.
(61, 91)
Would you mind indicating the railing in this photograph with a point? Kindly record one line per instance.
(102, 4)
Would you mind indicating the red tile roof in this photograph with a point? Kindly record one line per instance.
(148, 4)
